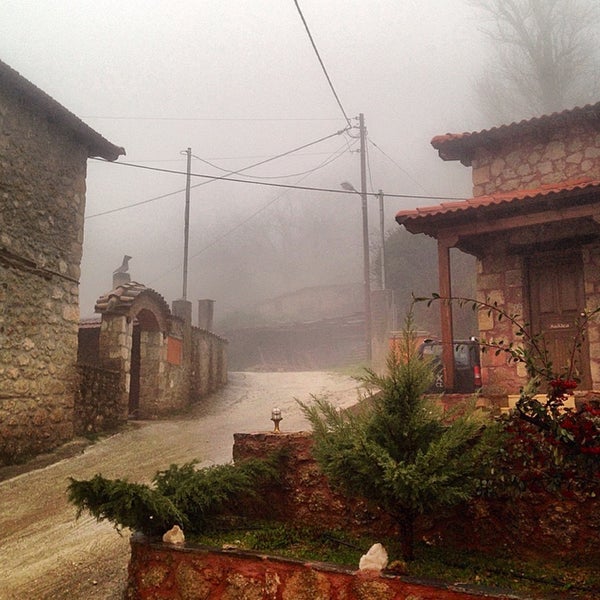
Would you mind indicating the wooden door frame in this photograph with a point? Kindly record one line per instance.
(533, 260)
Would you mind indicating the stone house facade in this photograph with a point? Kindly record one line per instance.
(43, 154)
(534, 225)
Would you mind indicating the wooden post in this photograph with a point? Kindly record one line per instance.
(444, 273)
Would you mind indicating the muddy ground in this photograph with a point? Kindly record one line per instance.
(46, 554)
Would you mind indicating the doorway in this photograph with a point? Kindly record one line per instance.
(556, 301)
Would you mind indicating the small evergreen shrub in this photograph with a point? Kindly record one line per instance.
(400, 451)
(182, 495)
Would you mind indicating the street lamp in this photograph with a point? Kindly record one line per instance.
(366, 264)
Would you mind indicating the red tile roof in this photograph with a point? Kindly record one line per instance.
(500, 198)
(457, 146)
(121, 299)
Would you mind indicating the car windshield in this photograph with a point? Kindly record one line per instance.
(461, 352)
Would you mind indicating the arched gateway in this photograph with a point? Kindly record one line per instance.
(142, 340)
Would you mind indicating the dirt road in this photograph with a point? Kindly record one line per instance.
(45, 554)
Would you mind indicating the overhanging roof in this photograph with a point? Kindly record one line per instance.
(505, 210)
(460, 146)
(92, 140)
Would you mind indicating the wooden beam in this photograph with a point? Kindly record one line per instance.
(445, 277)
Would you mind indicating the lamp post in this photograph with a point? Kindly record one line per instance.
(366, 265)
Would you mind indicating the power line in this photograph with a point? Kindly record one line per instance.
(269, 184)
(216, 119)
(178, 160)
(333, 156)
(339, 152)
(211, 178)
(321, 62)
(402, 169)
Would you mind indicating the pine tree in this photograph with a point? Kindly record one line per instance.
(400, 451)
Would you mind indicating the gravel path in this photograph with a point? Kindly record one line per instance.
(46, 554)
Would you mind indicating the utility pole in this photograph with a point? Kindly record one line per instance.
(382, 241)
(186, 230)
(365, 222)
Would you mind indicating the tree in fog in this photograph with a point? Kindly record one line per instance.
(545, 57)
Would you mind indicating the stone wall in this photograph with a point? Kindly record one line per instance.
(530, 161)
(591, 274)
(158, 570)
(304, 496)
(209, 363)
(500, 279)
(537, 524)
(42, 198)
(98, 400)
(167, 384)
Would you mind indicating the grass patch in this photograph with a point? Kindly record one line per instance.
(556, 580)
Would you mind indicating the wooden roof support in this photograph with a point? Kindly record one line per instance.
(445, 277)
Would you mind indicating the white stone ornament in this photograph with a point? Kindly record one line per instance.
(174, 536)
(375, 559)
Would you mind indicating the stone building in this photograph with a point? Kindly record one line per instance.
(43, 154)
(534, 225)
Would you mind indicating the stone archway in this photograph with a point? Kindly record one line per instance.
(135, 322)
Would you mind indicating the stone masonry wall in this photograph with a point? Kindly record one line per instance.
(158, 570)
(531, 161)
(209, 363)
(536, 524)
(591, 274)
(98, 400)
(500, 279)
(115, 355)
(42, 198)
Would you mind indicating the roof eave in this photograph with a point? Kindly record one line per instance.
(97, 145)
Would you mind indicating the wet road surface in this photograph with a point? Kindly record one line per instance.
(45, 554)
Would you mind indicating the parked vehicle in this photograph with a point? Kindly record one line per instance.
(467, 365)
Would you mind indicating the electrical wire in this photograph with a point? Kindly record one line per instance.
(267, 184)
(216, 119)
(339, 152)
(402, 169)
(333, 156)
(211, 178)
(177, 160)
(310, 37)
(368, 156)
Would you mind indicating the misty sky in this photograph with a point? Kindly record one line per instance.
(238, 82)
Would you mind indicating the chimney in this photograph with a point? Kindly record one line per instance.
(120, 279)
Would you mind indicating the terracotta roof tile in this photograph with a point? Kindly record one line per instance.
(500, 198)
(456, 146)
(121, 298)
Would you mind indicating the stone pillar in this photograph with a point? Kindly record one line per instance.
(120, 279)
(115, 353)
(205, 314)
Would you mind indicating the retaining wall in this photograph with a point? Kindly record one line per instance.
(159, 570)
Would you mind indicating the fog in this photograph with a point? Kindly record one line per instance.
(238, 82)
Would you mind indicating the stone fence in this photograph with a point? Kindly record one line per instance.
(97, 400)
